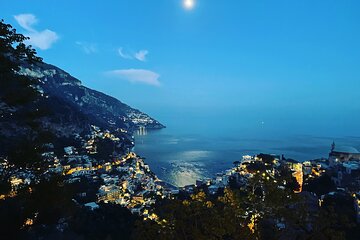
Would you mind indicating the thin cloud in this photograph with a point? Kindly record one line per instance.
(26, 21)
(40, 39)
(140, 55)
(137, 76)
(43, 39)
(123, 54)
(88, 48)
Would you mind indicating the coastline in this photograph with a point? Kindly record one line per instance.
(174, 156)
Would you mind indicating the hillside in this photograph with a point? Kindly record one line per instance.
(105, 109)
(41, 103)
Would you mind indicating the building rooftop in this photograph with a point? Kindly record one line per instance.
(92, 205)
(352, 165)
(346, 149)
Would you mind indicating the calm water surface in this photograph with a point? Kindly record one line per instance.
(194, 146)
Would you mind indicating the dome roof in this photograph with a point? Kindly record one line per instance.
(346, 149)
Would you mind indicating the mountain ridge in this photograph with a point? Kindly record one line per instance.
(57, 82)
(61, 109)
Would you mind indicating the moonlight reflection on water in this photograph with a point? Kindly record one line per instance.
(180, 158)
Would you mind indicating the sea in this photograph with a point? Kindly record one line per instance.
(199, 144)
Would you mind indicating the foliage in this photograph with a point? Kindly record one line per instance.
(15, 89)
(108, 222)
(18, 93)
(320, 185)
(256, 211)
(200, 217)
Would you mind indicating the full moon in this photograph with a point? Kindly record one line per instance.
(189, 4)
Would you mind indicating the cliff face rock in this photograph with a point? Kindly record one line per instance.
(100, 108)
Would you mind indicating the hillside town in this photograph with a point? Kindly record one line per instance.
(126, 180)
(121, 179)
(326, 179)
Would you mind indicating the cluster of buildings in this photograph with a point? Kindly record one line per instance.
(140, 119)
(344, 163)
(97, 133)
(130, 184)
(122, 178)
(16, 177)
(126, 180)
(342, 167)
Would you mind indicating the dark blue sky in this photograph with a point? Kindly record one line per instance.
(299, 57)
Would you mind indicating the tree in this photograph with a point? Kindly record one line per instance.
(19, 98)
(13, 51)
